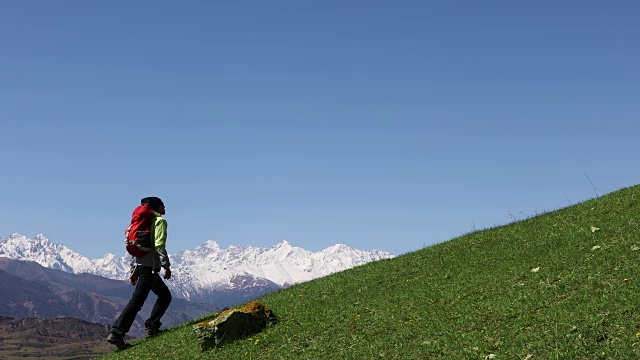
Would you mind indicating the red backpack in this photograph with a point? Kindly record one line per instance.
(138, 235)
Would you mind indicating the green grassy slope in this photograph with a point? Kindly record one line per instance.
(543, 288)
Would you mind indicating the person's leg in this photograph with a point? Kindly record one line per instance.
(145, 283)
(152, 325)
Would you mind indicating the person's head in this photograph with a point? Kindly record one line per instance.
(155, 203)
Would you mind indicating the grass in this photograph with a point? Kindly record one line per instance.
(548, 287)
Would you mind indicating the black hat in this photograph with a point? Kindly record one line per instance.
(153, 202)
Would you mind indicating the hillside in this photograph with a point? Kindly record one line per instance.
(563, 284)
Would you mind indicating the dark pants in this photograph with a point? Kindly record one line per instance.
(147, 281)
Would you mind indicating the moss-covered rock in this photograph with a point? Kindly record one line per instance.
(233, 324)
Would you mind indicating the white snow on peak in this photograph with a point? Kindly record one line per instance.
(211, 244)
(43, 251)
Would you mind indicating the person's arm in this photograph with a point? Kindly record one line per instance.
(160, 245)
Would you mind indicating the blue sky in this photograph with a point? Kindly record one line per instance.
(387, 125)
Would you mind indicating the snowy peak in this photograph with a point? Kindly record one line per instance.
(282, 251)
(57, 256)
(338, 248)
(211, 244)
(42, 239)
(284, 243)
(41, 250)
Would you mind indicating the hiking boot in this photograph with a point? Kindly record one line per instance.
(118, 341)
(151, 332)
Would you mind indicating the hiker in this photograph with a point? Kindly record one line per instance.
(145, 276)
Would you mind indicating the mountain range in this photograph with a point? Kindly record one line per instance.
(50, 280)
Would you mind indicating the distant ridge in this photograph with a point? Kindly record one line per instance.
(64, 338)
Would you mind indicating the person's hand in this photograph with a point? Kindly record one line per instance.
(133, 279)
(167, 273)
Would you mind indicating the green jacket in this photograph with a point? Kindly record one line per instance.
(159, 257)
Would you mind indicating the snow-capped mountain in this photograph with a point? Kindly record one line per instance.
(59, 257)
(207, 272)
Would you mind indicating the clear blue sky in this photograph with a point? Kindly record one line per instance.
(384, 125)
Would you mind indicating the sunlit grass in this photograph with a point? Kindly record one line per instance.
(543, 288)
